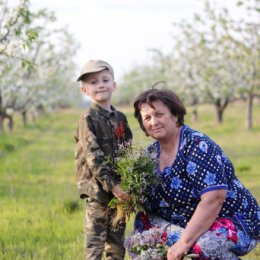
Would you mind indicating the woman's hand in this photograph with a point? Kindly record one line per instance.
(119, 194)
(177, 251)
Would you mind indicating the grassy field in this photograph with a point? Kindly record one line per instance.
(41, 216)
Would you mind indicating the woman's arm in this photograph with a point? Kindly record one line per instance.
(205, 214)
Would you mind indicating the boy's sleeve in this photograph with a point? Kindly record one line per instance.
(92, 157)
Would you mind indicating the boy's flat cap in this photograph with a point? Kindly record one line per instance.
(95, 66)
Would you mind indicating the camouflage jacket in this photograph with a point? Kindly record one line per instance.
(98, 136)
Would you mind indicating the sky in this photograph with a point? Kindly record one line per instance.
(121, 31)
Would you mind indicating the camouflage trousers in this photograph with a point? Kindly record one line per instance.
(101, 238)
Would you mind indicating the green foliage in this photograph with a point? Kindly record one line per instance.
(27, 64)
(37, 191)
(7, 147)
(31, 36)
(25, 14)
(136, 169)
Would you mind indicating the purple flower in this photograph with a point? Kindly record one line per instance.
(145, 244)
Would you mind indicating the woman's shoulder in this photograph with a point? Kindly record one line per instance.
(192, 134)
(191, 137)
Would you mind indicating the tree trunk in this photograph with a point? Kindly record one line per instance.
(220, 107)
(24, 118)
(1, 116)
(194, 112)
(33, 117)
(10, 123)
(1, 122)
(219, 114)
(194, 115)
(249, 112)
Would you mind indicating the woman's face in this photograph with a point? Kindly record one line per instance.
(158, 121)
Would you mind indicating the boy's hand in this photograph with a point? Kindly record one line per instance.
(119, 194)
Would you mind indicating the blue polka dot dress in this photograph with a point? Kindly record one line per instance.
(201, 166)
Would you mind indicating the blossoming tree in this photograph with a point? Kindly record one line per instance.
(32, 39)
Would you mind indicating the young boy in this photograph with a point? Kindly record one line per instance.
(101, 132)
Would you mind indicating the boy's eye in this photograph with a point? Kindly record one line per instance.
(92, 82)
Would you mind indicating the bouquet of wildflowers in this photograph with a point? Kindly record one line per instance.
(136, 168)
(147, 245)
(151, 244)
(150, 241)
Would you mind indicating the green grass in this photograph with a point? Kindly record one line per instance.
(41, 215)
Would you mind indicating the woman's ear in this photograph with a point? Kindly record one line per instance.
(177, 122)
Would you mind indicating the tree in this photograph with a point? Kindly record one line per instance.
(46, 80)
(246, 38)
(13, 40)
(215, 59)
(209, 66)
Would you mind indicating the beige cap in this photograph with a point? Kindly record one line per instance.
(95, 66)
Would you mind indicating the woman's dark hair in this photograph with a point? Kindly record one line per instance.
(167, 97)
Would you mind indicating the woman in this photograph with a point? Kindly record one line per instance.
(200, 202)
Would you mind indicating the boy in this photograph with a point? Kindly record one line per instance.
(101, 131)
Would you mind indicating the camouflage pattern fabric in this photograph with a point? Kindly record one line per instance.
(100, 236)
(99, 136)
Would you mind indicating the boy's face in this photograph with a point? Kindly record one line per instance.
(99, 86)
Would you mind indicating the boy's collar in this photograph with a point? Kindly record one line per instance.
(103, 110)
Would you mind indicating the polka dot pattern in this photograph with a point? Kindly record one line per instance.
(201, 166)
